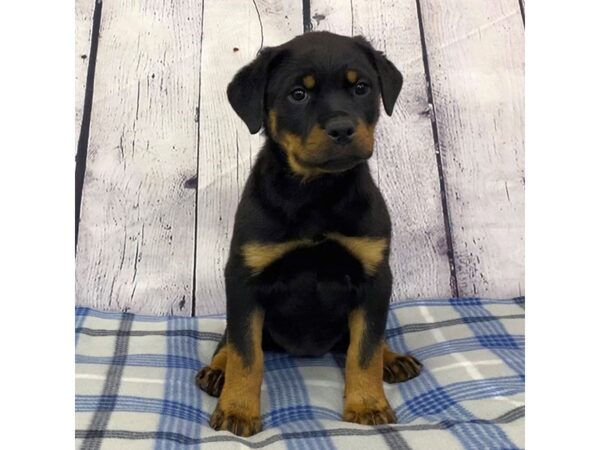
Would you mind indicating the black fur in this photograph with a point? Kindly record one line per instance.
(307, 294)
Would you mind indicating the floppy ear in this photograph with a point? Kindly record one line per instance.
(390, 78)
(246, 91)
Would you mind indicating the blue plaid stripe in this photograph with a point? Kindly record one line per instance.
(145, 360)
(462, 345)
(165, 408)
(176, 413)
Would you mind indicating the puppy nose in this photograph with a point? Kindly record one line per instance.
(340, 130)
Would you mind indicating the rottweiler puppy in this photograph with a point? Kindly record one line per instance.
(308, 269)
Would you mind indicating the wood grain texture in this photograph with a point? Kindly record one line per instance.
(136, 237)
(475, 53)
(404, 163)
(233, 33)
(84, 12)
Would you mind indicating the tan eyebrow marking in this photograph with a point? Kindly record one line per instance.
(352, 76)
(309, 81)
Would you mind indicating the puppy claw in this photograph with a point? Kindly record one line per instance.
(211, 380)
(235, 423)
(401, 368)
(381, 416)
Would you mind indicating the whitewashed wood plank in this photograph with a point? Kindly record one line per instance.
(84, 12)
(475, 52)
(405, 165)
(136, 236)
(234, 31)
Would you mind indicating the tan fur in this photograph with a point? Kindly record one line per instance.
(364, 134)
(240, 398)
(369, 251)
(352, 76)
(219, 361)
(296, 149)
(309, 81)
(388, 355)
(365, 400)
(273, 122)
(257, 256)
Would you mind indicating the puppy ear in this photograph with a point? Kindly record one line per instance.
(246, 92)
(390, 78)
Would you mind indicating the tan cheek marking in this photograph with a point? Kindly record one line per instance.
(309, 81)
(258, 256)
(365, 136)
(352, 76)
(292, 145)
(364, 386)
(273, 122)
(368, 250)
(317, 140)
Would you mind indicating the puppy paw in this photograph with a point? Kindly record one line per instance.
(401, 368)
(234, 421)
(369, 415)
(211, 380)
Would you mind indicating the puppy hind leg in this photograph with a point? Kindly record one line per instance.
(398, 368)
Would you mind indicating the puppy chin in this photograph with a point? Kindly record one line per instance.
(338, 161)
(341, 164)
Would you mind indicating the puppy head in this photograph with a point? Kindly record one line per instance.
(317, 97)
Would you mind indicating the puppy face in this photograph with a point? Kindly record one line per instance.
(318, 97)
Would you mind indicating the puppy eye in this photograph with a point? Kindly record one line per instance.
(361, 88)
(298, 95)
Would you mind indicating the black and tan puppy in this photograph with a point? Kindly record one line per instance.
(308, 265)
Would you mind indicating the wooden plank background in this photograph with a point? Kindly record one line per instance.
(135, 249)
(166, 156)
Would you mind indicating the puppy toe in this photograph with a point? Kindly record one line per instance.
(238, 424)
(370, 416)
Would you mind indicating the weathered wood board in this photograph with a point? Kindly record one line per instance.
(136, 234)
(476, 61)
(84, 12)
(404, 164)
(233, 33)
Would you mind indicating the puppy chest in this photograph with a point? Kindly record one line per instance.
(335, 255)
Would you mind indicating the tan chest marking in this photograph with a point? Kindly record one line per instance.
(370, 251)
(257, 255)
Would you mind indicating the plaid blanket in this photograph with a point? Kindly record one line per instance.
(135, 383)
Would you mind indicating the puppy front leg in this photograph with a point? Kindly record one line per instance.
(365, 401)
(238, 409)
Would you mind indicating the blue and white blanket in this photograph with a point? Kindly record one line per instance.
(135, 383)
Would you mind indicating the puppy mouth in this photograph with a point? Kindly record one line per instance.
(336, 164)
